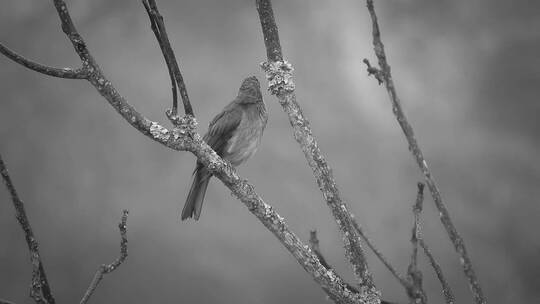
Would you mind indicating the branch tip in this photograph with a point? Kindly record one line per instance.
(67, 73)
(378, 74)
(108, 268)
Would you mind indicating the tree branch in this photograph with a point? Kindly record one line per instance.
(155, 29)
(39, 290)
(381, 257)
(455, 238)
(414, 275)
(447, 291)
(158, 27)
(43, 69)
(105, 269)
(279, 74)
(314, 244)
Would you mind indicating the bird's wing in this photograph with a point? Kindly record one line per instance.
(222, 127)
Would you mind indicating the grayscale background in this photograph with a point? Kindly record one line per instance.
(467, 72)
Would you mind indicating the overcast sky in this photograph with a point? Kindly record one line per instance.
(467, 73)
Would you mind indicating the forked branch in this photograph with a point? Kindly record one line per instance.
(455, 238)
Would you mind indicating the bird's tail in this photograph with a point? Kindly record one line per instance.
(194, 201)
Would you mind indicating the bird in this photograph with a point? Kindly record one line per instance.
(235, 134)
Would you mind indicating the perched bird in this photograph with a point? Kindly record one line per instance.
(234, 134)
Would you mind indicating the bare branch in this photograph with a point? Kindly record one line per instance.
(155, 29)
(279, 74)
(381, 257)
(447, 291)
(39, 290)
(456, 239)
(2, 301)
(414, 275)
(314, 244)
(374, 71)
(43, 69)
(158, 27)
(105, 269)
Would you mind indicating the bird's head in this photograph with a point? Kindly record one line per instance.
(250, 91)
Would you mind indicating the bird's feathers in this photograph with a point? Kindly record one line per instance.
(195, 199)
(222, 128)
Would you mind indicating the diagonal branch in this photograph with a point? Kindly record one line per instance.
(447, 291)
(416, 292)
(155, 29)
(381, 257)
(43, 69)
(106, 269)
(279, 74)
(158, 27)
(455, 238)
(39, 290)
(314, 245)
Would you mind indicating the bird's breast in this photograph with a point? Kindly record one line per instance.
(247, 136)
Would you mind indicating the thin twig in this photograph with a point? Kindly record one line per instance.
(158, 27)
(39, 290)
(43, 69)
(153, 25)
(455, 238)
(381, 257)
(2, 301)
(414, 275)
(314, 244)
(447, 291)
(279, 74)
(105, 269)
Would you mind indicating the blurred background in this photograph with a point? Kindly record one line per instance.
(467, 73)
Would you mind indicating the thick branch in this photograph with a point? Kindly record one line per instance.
(39, 290)
(279, 74)
(105, 269)
(43, 69)
(456, 239)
